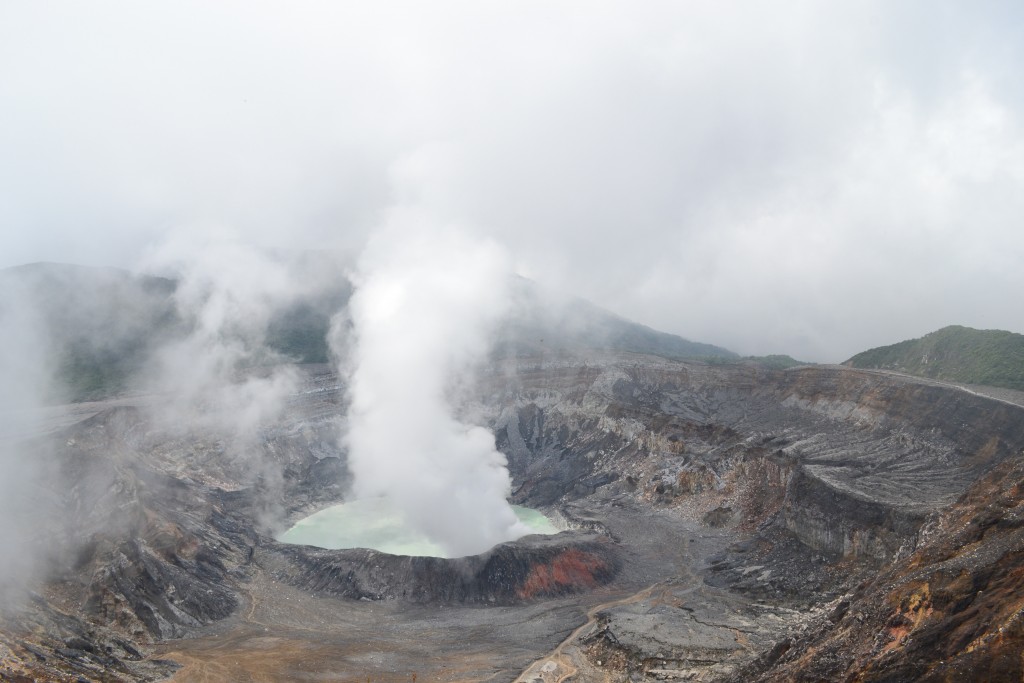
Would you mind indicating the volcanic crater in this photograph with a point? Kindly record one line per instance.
(723, 522)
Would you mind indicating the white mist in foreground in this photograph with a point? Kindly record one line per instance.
(425, 302)
(375, 523)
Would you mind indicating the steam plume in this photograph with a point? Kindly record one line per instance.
(221, 374)
(424, 303)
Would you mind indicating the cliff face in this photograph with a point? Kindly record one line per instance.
(950, 611)
(838, 474)
(155, 530)
(852, 462)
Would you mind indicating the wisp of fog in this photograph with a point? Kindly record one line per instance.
(226, 294)
(24, 504)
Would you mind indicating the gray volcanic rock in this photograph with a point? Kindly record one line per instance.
(858, 461)
(949, 611)
(531, 568)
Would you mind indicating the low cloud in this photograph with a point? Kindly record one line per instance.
(810, 179)
(26, 506)
(216, 374)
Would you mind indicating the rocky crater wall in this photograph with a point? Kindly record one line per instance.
(527, 569)
(851, 462)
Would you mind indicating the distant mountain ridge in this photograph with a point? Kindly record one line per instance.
(541, 321)
(956, 354)
(104, 324)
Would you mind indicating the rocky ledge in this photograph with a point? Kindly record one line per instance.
(529, 568)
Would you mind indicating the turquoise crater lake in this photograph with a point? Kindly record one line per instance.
(372, 523)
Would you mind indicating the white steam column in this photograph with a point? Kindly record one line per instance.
(425, 302)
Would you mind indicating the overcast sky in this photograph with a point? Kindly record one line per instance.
(810, 178)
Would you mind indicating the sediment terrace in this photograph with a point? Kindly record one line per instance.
(714, 512)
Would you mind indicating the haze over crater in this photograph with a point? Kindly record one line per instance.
(425, 299)
(812, 179)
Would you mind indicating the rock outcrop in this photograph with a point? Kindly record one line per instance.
(531, 568)
(950, 611)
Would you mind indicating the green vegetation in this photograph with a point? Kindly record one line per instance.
(84, 373)
(300, 331)
(543, 323)
(957, 354)
(629, 336)
(97, 327)
(772, 362)
(777, 361)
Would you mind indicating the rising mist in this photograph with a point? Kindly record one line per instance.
(425, 302)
